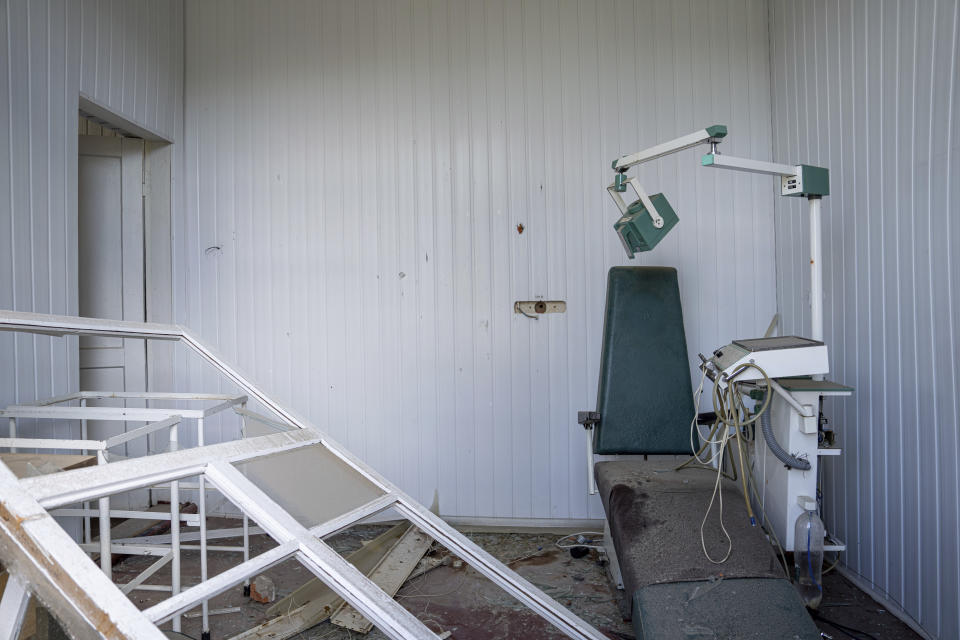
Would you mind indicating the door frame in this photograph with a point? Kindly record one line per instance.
(158, 257)
(129, 152)
(157, 230)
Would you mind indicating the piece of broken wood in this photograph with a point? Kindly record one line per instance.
(214, 612)
(365, 559)
(426, 565)
(390, 573)
(313, 602)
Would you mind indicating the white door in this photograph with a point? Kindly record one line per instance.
(111, 274)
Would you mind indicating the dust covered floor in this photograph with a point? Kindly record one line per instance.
(845, 604)
(453, 597)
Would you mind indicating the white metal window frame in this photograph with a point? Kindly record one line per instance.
(53, 409)
(40, 554)
(104, 512)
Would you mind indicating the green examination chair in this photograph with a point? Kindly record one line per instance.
(644, 407)
(645, 399)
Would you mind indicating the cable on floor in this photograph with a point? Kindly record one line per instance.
(582, 540)
(850, 632)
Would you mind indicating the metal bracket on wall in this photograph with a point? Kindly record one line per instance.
(534, 308)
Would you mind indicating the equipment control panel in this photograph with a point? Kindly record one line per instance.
(779, 357)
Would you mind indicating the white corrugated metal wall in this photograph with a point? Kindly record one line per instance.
(384, 312)
(872, 91)
(126, 56)
(356, 172)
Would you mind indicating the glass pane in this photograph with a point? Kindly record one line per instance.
(311, 483)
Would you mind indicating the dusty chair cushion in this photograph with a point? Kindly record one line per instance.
(655, 525)
(645, 397)
(741, 608)
(676, 592)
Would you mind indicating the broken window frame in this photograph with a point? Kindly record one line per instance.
(53, 409)
(37, 552)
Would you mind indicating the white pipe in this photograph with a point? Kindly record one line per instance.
(190, 519)
(246, 520)
(105, 559)
(816, 271)
(591, 481)
(83, 423)
(202, 509)
(87, 528)
(175, 526)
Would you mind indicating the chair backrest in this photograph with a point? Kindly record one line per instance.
(645, 397)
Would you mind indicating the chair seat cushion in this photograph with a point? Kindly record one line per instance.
(655, 514)
(744, 609)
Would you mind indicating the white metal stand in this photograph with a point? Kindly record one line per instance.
(779, 486)
(794, 411)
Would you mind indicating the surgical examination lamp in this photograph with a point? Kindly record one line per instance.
(644, 222)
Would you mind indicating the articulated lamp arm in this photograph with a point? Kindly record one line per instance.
(712, 134)
(635, 231)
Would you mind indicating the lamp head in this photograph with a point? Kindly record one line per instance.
(636, 227)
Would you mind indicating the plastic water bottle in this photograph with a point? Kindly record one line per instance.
(808, 554)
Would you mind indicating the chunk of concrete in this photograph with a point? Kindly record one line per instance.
(263, 589)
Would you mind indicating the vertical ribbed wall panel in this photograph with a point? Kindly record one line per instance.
(356, 175)
(127, 56)
(872, 91)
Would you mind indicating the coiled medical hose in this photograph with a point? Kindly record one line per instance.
(782, 455)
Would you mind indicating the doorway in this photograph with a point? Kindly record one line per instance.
(111, 259)
(124, 265)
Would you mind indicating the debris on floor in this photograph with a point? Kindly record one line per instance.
(446, 593)
(392, 556)
(391, 571)
(262, 589)
(214, 612)
(438, 593)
